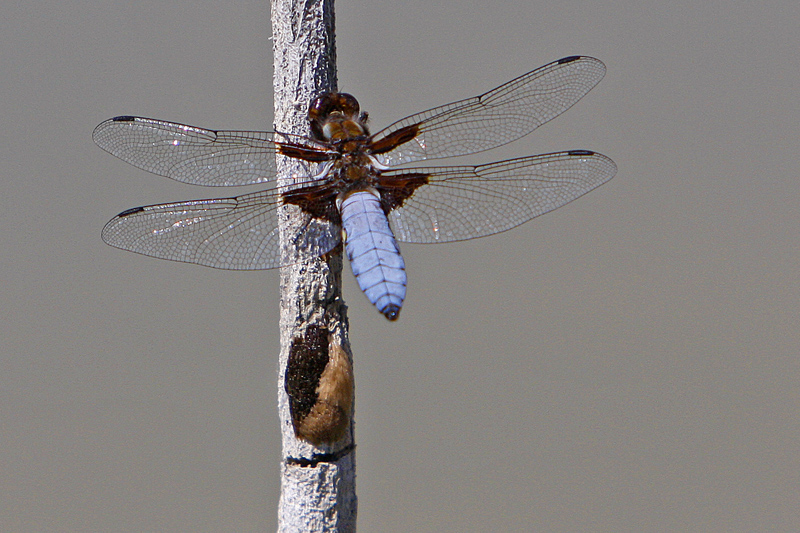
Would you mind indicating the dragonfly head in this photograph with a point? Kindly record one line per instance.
(335, 117)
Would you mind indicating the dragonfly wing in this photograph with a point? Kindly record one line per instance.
(190, 154)
(466, 202)
(500, 116)
(238, 233)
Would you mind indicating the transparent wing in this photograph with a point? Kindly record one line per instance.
(465, 202)
(238, 233)
(497, 117)
(190, 154)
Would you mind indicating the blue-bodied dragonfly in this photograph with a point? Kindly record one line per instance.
(353, 191)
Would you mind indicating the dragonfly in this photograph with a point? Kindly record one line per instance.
(355, 186)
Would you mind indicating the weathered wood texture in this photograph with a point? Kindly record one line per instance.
(318, 481)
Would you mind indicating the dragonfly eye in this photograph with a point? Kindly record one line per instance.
(324, 105)
(332, 110)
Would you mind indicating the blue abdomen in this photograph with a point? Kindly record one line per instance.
(373, 252)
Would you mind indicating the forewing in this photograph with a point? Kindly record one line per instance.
(465, 202)
(494, 118)
(190, 154)
(238, 233)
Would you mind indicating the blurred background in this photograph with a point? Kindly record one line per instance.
(627, 363)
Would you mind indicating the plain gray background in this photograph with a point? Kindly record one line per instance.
(627, 363)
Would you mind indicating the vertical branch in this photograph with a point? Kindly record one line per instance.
(315, 379)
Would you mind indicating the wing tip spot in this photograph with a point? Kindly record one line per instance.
(124, 118)
(131, 211)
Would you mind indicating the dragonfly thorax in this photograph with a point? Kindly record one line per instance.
(354, 169)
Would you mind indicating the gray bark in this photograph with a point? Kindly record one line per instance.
(318, 480)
